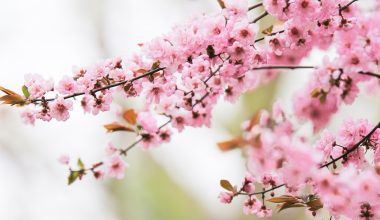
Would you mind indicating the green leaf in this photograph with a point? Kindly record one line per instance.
(25, 91)
(80, 164)
(73, 176)
(227, 185)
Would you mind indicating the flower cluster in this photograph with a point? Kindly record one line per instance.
(183, 74)
(281, 157)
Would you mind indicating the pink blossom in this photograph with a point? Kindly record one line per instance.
(110, 149)
(225, 197)
(64, 159)
(29, 116)
(252, 206)
(59, 109)
(147, 121)
(116, 167)
(67, 86)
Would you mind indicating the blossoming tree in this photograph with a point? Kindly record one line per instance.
(183, 74)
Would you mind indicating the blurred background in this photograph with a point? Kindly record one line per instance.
(179, 180)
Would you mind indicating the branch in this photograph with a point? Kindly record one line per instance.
(370, 74)
(260, 17)
(346, 6)
(282, 67)
(93, 91)
(255, 6)
(272, 34)
(356, 146)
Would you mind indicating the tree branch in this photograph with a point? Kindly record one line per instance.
(105, 87)
(356, 146)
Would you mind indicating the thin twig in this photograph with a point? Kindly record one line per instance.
(260, 17)
(356, 146)
(93, 91)
(255, 6)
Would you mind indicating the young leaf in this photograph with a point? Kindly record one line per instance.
(282, 199)
(80, 164)
(7, 91)
(221, 3)
(288, 205)
(130, 116)
(231, 144)
(73, 176)
(227, 185)
(11, 98)
(25, 91)
(268, 31)
(117, 127)
(314, 204)
(156, 65)
(315, 93)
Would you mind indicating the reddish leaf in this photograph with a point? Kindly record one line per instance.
(231, 144)
(227, 185)
(11, 98)
(117, 127)
(314, 204)
(288, 205)
(221, 3)
(282, 199)
(130, 116)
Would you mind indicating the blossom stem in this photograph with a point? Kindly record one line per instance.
(355, 147)
(272, 34)
(93, 91)
(261, 192)
(255, 6)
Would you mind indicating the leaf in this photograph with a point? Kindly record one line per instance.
(130, 116)
(113, 127)
(227, 185)
(7, 91)
(73, 176)
(25, 91)
(323, 97)
(288, 205)
(268, 31)
(314, 204)
(221, 3)
(11, 98)
(80, 164)
(231, 144)
(315, 93)
(282, 199)
(156, 65)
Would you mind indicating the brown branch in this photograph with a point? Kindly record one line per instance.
(93, 91)
(255, 6)
(346, 6)
(272, 34)
(370, 74)
(282, 67)
(260, 17)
